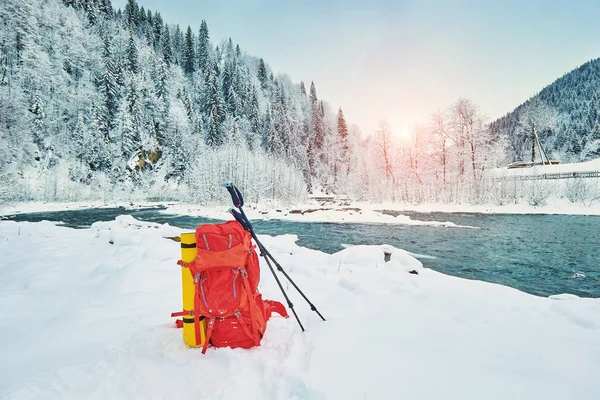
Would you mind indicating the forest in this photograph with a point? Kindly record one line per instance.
(108, 104)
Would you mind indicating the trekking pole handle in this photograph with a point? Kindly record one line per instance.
(236, 196)
(241, 219)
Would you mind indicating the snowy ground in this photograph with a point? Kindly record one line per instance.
(86, 314)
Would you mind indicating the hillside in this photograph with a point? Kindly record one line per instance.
(576, 96)
(105, 103)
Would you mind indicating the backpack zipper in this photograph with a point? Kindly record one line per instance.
(236, 273)
(203, 295)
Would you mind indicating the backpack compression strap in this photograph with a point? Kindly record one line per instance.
(252, 306)
(211, 325)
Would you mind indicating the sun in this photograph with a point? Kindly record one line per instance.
(404, 134)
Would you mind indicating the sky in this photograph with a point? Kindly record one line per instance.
(403, 60)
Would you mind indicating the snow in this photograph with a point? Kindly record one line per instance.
(553, 206)
(45, 206)
(311, 214)
(371, 212)
(85, 313)
(584, 166)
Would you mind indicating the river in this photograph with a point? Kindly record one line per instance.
(538, 254)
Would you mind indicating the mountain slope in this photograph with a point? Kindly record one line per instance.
(576, 96)
(103, 102)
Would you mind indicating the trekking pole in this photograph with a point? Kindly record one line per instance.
(238, 202)
(246, 225)
(280, 269)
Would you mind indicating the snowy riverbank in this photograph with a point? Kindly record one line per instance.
(361, 212)
(354, 212)
(86, 314)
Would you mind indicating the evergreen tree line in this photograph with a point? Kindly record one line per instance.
(121, 101)
(114, 104)
(576, 135)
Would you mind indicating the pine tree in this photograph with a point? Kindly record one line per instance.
(229, 51)
(262, 74)
(269, 134)
(254, 115)
(313, 94)
(166, 47)
(229, 91)
(109, 88)
(184, 96)
(317, 122)
(203, 47)
(106, 8)
(188, 56)
(217, 60)
(160, 31)
(149, 29)
(133, 65)
(131, 140)
(280, 121)
(131, 15)
(91, 12)
(214, 134)
(38, 119)
(160, 77)
(215, 109)
(19, 47)
(142, 21)
(302, 89)
(178, 41)
(227, 78)
(342, 129)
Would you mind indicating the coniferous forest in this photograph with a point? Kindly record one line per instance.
(99, 103)
(576, 134)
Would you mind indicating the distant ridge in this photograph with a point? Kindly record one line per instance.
(576, 95)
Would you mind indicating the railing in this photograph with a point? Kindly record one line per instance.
(553, 175)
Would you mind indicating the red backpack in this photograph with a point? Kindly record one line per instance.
(226, 274)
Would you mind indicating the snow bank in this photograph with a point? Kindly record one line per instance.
(307, 213)
(554, 206)
(44, 206)
(369, 212)
(86, 314)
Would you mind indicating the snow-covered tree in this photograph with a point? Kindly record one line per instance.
(537, 118)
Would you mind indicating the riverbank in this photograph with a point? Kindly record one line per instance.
(322, 211)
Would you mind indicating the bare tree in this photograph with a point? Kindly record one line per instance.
(384, 143)
(537, 117)
(439, 129)
(468, 127)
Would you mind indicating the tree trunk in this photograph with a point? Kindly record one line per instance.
(533, 144)
(444, 160)
(473, 159)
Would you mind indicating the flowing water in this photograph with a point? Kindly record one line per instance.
(538, 254)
